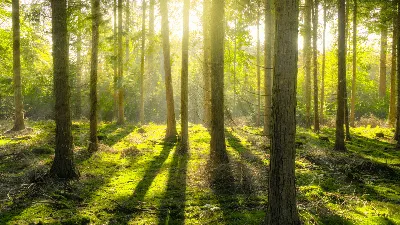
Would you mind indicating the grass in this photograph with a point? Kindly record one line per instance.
(138, 178)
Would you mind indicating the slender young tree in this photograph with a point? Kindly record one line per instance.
(120, 67)
(218, 147)
(115, 62)
(207, 62)
(382, 67)
(397, 133)
(184, 77)
(321, 110)
(339, 141)
(78, 77)
(307, 59)
(93, 143)
(63, 165)
(19, 115)
(315, 64)
(282, 190)
(392, 107)
(171, 122)
(354, 80)
(268, 67)
(258, 67)
(142, 62)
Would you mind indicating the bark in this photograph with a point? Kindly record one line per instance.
(315, 62)
(142, 62)
(234, 67)
(218, 147)
(397, 133)
(93, 142)
(151, 37)
(258, 68)
(346, 115)
(382, 67)
(307, 59)
(354, 79)
(121, 119)
(392, 107)
(19, 115)
(115, 62)
(321, 110)
(63, 165)
(184, 77)
(207, 62)
(171, 123)
(267, 68)
(339, 141)
(282, 190)
(78, 78)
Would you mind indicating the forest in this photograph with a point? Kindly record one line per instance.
(278, 112)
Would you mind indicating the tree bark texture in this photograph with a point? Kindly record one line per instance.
(282, 190)
(185, 77)
(354, 78)
(63, 165)
(268, 67)
(258, 68)
(321, 110)
(382, 67)
(307, 59)
(171, 122)
(315, 64)
(115, 62)
(392, 107)
(207, 62)
(397, 133)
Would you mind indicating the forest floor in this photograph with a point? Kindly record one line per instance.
(138, 178)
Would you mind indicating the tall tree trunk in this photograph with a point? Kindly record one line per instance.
(121, 119)
(346, 105)
(234, 66)
(382, 68)
(258, 67)
(207, 62)
(184, 77)
(339, 141)
(171, 122)
(307, 59)
(397, 133)
(321, 110)
(142, 62)
(63, 165)
(19, 115)
(151, 37)
(93, 143)
(268, 67)
(218, 147)
(282, 190)
(353, 84)
(392, 108)
(115, 62)
(315, 62)
(78, 77)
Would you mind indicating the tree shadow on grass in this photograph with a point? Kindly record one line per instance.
(172, 209)
(127, 207)
(112, 133)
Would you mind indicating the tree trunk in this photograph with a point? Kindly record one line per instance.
(346, 115)
(392, 108)
(63, 165)
(115, 62)
(339, 141)
(121, 119)
(382, 68)
(93, 143)
(218, 147)
(19, 115)
(142, 62)
(282, 190)
(397, 133)
(315, 62)
(307, 59)
(268, 68)
(171, 123)
(321, 110)
(258, 68)
(353, 84)
(207, 62)
(78, 78)
(184, 77)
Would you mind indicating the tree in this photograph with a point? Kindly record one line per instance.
(282, 190)
(392, 106)
(184, 77)
(315, 62)
(268, 67)
(382, 67)
(321, 111)
(115, 62)
(93, 143)
(171, 122)
(63, 165)
(339, 140)
(397, 133)
(78, 103)
(258, 67)
(217, 145)
(353, 84)
(142, 62)
(120, 67)
(307, 59)
(19, 115)
(207, 62)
